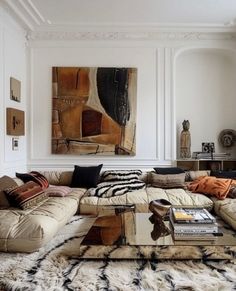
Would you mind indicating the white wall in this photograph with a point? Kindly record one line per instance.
(165, 96)
(43, 59)
(12, 64)
(205, 95)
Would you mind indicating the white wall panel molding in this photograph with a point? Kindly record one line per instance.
(58, 165)
(135, 34)
(160, 135)
(169, 138)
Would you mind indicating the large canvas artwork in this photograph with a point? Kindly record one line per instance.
(94, 110)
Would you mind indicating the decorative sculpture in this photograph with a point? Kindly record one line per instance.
(185, 141)
(160, 209)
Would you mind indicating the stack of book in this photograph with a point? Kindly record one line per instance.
(193, 224)
(209, 156)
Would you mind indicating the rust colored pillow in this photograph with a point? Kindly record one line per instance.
(25, 196)
(211, 186)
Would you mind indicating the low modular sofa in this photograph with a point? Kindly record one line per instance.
(26, 230)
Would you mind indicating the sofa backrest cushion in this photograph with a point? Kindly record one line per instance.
(25, 196)
(34, 176)
(168, 170)
(167, 181)
(85, 177)
(58, 191)
(224, 174)
(120, 175)
(193, 175)
(5, 182)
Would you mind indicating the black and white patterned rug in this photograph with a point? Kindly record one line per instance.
(57, 266)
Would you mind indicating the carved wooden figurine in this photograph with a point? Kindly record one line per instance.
(185, 141)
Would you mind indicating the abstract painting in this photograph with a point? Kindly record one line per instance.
(94, 110)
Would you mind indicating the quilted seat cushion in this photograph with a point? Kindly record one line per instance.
(142, 198)
(226, 209)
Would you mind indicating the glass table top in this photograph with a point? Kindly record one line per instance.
(135, 229)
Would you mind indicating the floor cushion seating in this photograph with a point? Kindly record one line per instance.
(28, 230)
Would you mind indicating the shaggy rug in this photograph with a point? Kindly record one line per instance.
(57, 266)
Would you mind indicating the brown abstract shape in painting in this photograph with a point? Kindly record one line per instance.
(73, 81)
(91, 122)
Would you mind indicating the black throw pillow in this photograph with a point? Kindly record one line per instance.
(224, 174)
(168, 171)
(85, 177)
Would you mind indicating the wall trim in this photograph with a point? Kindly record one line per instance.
(148, 34)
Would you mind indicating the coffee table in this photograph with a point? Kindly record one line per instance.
(127, 235)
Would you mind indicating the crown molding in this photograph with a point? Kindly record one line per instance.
(129, 35)
(25, 13)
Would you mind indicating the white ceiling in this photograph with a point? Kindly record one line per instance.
(39, 15)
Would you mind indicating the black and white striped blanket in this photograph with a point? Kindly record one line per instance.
(116, 188)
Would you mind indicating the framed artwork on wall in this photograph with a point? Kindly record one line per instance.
(94, 110)
(15, 122)
(15, 143)
(15, 89)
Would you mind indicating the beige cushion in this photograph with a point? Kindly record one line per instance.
(167, 181)
(193, 175)
(5, 182)
(142, 198)
(62, 178)
(226, 209)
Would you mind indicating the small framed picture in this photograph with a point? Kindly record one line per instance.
(15, 89)
(208, 147)
(15, 144)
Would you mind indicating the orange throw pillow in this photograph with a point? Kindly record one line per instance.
(211, 186)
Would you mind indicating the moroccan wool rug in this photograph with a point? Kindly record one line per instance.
(57, 266)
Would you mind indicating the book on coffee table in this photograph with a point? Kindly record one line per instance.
(193, 224)
(187, 215)
(196, 236)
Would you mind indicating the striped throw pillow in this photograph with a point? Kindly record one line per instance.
(25, 196)
(108, 189)
(168, 181)
(35, 177)
(120, 175)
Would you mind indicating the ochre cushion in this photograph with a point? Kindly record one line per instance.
(167, 181)
(34, 176)
(25, 196)
(211, 186)
(5, 182)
